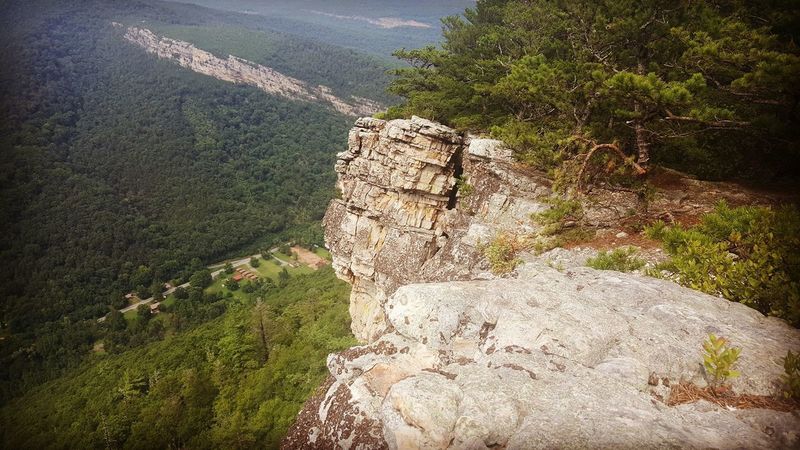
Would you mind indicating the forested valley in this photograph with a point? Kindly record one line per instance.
(125, 174)
(232, 380)
(122, 171)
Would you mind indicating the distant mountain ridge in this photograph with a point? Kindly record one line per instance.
(239, 70)
(378, 27)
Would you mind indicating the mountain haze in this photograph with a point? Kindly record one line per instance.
(123, 171)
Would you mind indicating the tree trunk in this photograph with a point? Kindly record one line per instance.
(642, 139)
(643, 160)
(263, 334)
(642, 145)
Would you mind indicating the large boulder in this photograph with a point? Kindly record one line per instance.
(557, 359)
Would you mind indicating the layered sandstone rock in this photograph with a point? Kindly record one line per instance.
(401, 218)
(239, 70)
(395, 179)
(456, 357)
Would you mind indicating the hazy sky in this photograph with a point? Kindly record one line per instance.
(375, 26)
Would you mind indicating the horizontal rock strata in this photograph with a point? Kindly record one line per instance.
(401, 218)
(455, 357)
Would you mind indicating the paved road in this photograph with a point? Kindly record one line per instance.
(239, 262)
(148, 300)
(214, 274)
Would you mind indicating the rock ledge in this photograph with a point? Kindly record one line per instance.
(455, 357)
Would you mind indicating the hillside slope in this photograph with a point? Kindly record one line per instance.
(237, 70)
(122, 171)
(212, 385)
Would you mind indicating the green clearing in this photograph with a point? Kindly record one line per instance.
(283, 256)
(130, 316)
(299, 269)
(323, 253)
(267, 268)
(270, 268)
(169, 301)
(218, 288)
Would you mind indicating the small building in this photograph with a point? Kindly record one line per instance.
(237, 277)
(154, 308)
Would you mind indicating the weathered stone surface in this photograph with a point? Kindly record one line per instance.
(549, 358)
(238, 70)
(554, 359)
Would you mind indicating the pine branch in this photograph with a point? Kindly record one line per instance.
(613, 148)
(710, 123)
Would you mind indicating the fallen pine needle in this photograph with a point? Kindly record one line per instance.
(683, 393)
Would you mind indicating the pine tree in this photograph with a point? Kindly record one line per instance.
(658, 77)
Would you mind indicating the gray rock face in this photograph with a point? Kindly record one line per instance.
(554, 359)
(458, 358)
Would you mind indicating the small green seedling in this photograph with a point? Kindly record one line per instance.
(791, 365)
(719, 360)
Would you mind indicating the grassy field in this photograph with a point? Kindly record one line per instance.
(266, 269)
(217, 286)
(130, 316)
(322, 253)
(169, 301)
(270, 268)
(284, 257)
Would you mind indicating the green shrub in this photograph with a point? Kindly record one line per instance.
(502, 254)
(541, 244)
(561, 211)
(719, 360)
(538, 149)
(791, 379)
(621, 259)
(464, 188)
(749, 254)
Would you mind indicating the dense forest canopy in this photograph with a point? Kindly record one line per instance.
(219, 384)
(709, 87)
(122, 171)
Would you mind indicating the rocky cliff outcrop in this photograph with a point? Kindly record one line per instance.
(401, 218)
(455, 357)
(238, 70)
